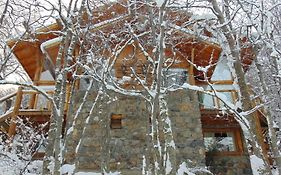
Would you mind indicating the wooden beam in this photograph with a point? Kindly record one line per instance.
(6, 116)
(39, 66)
(215, 82)
(44, 82)
(35, 92)
(7, 97)
(12, 128)
(33, 112)
(260, 136)
(32, 101)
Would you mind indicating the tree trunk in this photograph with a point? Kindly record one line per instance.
(234, 51)
(49, 154)
(272, 133)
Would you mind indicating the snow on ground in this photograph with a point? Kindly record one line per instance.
(12, 165)
(90, 173)
(7, 165)
(184, 170)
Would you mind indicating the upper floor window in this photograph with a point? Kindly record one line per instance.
(175, 76)
(211, 101)
(46, 75)
(222, 71)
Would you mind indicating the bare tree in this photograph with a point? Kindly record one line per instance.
(89, 50)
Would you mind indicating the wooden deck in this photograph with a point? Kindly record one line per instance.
(24, 104)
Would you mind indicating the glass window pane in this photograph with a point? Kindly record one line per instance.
(226, 96)
(42, 102)
(222, 71)
(221, 141)
(207, 101)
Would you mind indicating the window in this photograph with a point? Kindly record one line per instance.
(210, 102)
(222, 140)
(175, 76)
(116, 121)
(219, 141)
(207, 101)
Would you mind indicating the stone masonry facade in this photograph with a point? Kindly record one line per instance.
(124, 149)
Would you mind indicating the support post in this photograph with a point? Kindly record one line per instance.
(12, 128)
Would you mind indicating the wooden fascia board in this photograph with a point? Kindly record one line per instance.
(51, 27)
(32, 112)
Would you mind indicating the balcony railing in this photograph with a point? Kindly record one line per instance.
(7, 103)
(23, 103)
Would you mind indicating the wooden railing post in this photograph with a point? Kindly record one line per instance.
(12, 128)
(32, 100)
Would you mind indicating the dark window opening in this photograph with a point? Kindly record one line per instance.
(116, 121)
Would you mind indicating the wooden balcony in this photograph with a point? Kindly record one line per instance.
(23, 104)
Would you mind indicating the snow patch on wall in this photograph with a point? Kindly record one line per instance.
(168, 168)
(183, 169)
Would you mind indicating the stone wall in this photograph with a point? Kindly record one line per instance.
(230, 165)
(187, 129)
(124, 149)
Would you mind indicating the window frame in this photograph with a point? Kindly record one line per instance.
(217, 101)
(237, 138)
(117, 118)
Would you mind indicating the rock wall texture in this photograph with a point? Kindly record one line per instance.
(123, 149)
(230, 165)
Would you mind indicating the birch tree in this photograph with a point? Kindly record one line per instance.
(232, 31)
(150, 87)
(267, 85)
